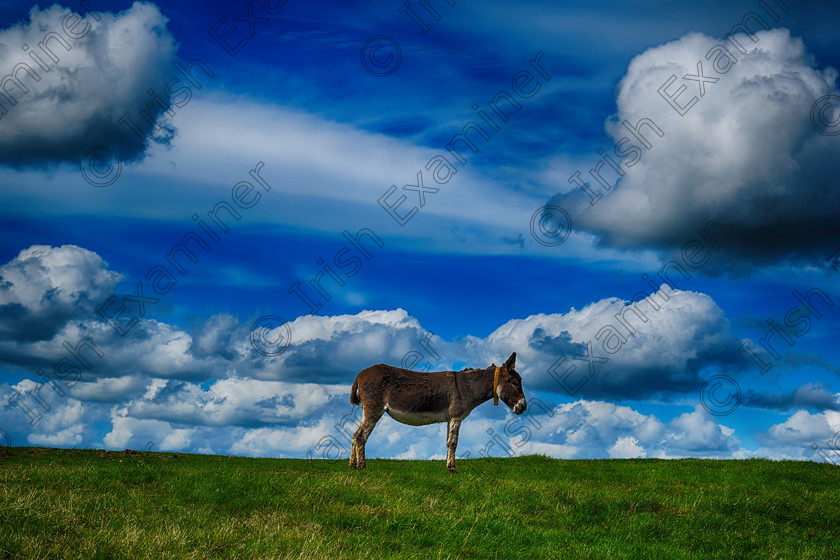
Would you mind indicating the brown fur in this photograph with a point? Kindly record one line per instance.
(428, 397)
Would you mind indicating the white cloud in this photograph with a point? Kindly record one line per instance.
(45, 286)
(237, 402)
(803, 428)
(133, 433)
(696, 431)
(68, 437)
(78, 102)
(802, 436)
(626, 448)
(320, 438)
(745, 155)
(306, 156)
(688, 333)
(109, 389)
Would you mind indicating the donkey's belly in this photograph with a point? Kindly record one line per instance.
(417, 418)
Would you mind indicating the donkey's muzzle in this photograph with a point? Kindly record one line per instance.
(520, 407)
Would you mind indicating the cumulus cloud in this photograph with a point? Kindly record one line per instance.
(43, 287)
(595, 429)
(110, 389)
(60, 421)
(151, 348)
(796, 437)
(128, 432)
(745, 155)
(809, 395)
(666, 352)
(803, 427)
(55, 114)
(335, 348)
(626, 448)
(236, 402)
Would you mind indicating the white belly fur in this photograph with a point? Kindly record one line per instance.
(417, 418)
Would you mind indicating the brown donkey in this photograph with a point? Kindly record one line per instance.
(420, 398)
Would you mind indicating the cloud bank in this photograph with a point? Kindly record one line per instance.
(206, 389)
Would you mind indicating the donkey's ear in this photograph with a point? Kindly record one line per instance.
(511, 362)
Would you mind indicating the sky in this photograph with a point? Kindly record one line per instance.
(215, 214)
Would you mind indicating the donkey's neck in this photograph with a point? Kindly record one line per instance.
(481, 385)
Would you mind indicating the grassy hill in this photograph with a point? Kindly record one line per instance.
(94, 504)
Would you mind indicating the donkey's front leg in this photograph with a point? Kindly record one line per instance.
(452, 443)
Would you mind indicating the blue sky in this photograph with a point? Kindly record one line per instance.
(687, 240)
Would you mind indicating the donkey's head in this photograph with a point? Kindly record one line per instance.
(508, 387)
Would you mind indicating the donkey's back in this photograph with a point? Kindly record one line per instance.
(392, 389)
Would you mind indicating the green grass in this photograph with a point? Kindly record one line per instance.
(93, 504)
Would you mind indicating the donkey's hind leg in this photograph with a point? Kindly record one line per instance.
(357, 449)
(354, 453)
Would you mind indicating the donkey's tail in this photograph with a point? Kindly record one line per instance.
(354, 393)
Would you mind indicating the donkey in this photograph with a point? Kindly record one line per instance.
(420, 398)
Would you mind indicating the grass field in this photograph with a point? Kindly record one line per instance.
(94, 504)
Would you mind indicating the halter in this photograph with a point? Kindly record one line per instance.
(495, 388)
